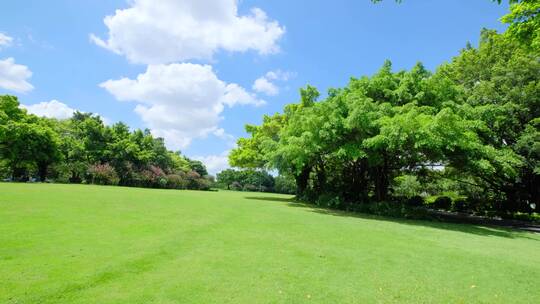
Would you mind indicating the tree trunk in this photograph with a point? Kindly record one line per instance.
(360, 180)
(302, 181)
(75, 178)
(355, 181)
(321, 179)
(19, 174)
(382, 181)
(42, 171)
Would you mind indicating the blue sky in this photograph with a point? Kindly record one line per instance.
(198, 60)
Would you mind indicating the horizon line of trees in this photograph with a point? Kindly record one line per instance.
(83, 149)
(254, 180)
(468, 133)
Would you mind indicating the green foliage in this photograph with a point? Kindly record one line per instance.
(407, 186)
(245, 180)
(26, 142)
(381, 138)
(524, 21)
(197, 166)
(103, 174)
(253, 152)
(443, 202)
(285, 185)
(83, 149)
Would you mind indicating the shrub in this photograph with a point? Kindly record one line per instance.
(203, 184)
(236, 186)
(415, 201)
(532, 217)
(407, 186)
(329, 200)
(285, 185)
(460, 205)
(4, 169)
(192, 178)
(393, 209)
(442, 202)
(146, 179)
(176, 181)
(162, 182)
(103, 174)
(154, 177)
(250, 187)
(479, 205)
(400, 209)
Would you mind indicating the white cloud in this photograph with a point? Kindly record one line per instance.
(221, 134)
(56, 109)
(50, 109)
(235, 94)
(265, 85)
(215, 163)
(14, 76)
(180, 101)
(106, 121)
(279, 75)
(165, 31)
(5, 40)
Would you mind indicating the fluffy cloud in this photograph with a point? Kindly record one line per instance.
(14, 76)
(265, 85)
(165, 31)
(228, 138)
(56, 109)
(215, 163)
(51, 109)
(5, 40)
(279, 75)
(180, 101)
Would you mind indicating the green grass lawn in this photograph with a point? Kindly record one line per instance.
(91, 244)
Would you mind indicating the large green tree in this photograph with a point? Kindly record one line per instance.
(26, 141)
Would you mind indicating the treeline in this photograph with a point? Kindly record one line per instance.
(83, 149)
(254, 180)
(466, 136)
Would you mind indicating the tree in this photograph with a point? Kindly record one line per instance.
(524, 23)
(285, 185)
(197, 166)
(226, 177)
(249, 180)
(26, 141)
(501, 82)
(475, 115)
(82, 147)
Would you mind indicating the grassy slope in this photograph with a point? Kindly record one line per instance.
(89, 244)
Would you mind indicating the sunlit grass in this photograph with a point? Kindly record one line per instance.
(91, 244)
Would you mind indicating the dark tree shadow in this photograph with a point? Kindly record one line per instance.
(446, 224)
(271, 199)
(483, 230)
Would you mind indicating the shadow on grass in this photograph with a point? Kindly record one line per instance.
(271, 199)
(483, 230)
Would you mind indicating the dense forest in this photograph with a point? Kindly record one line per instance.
(464, 137)
(83, 149)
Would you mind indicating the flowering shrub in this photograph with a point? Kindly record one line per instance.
(176, 181)
(103, 174)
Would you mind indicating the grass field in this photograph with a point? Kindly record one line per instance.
(91, 244)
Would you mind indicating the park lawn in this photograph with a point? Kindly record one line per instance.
(92, 244)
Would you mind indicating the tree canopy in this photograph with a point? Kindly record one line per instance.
(474, 121)
(84, 149)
